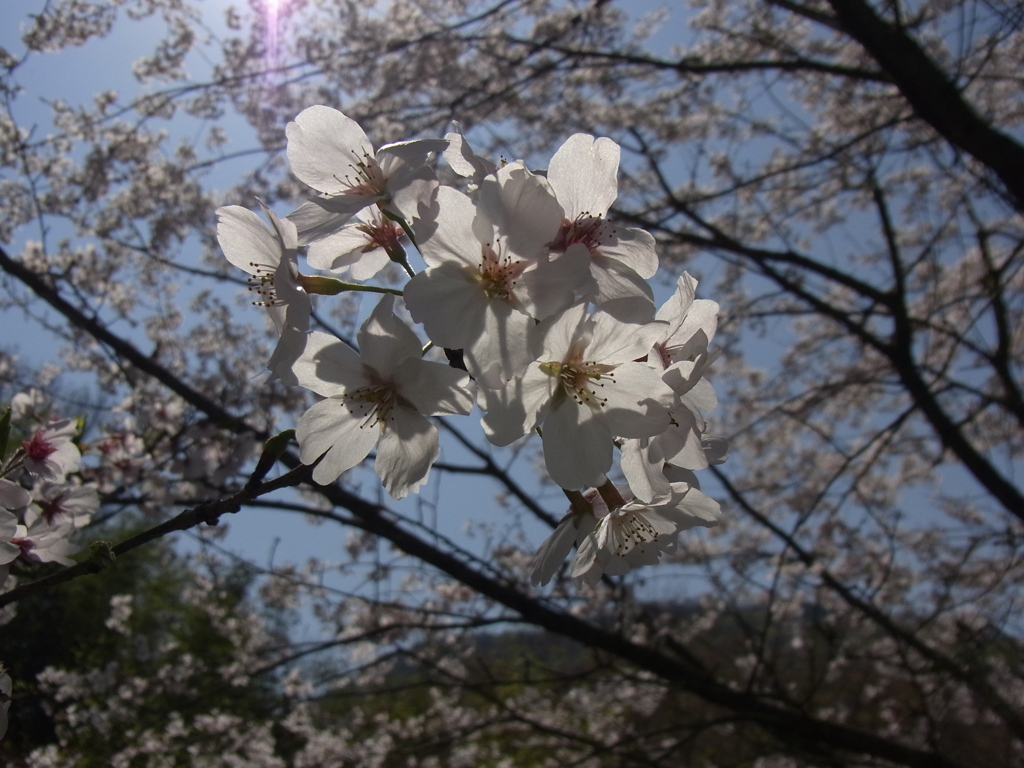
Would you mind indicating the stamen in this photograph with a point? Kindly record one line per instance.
(498, 274)
(262, 283)
(635, 531)
(582, 380)
(371, 404)
(366, 177)
(591, 231)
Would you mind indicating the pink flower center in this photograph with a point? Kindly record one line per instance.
(384, 235)
(591, 231)
(38, 449)
(498, 274)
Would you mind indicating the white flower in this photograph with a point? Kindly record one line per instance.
(330, 152)
(682, 357)
(639, 532)
(9, 551)
(58, 503)
(269, 255)
(45, 543)
(377, 397)
(584, 176)
(50, 453)
(361, 247)
(585, 390)
(500, 284)
(12, 495)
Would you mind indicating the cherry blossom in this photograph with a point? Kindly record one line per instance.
(585, 389)
(361, 247)
(501, 284)
(269, 256)
(58, 503)
(12, 495)
(50, 454)
(638, 533)
(329, 152)
(377, 397)
(683, 358)
(584, 176)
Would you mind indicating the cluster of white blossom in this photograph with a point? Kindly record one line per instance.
(41, 503)
(541, 304)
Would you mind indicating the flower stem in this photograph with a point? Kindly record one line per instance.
(329, 286)
(578, 502)
(611, 495)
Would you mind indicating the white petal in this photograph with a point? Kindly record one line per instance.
(516, 408)
(245, 239)
(12, 496)
(434, 388)
(323, 145)
(584, 174)
(577, 446)
(384, 340)
(408, 448)
(635, 248)
(645, 478)
(329, 366)
(431, 296)
(451, 236)
(551, 286)
(328, 429)
(620, 291)
(636, 401)
(522, 207)
(503, 349)
(316, 219)
(614, 341)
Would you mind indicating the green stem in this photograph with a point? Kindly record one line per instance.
(330, 286)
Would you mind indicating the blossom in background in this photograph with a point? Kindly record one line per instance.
(500, 284)
(638, 533)
(584, 390)
(328, 151)
(269, 256)
(377, 397)
(50, 453)
(584, 176)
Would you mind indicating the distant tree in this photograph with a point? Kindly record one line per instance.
(846, 180)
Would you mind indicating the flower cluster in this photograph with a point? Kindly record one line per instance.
(41, 503)
(541, 304)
